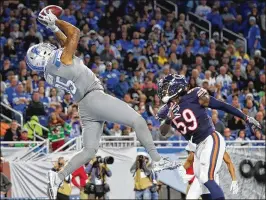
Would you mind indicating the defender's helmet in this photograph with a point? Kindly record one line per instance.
(38, 56)
(171, 86)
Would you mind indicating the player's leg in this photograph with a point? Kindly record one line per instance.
(205, 192)
(91, 134)
(211, 156)
(195, 190)
(104, 107)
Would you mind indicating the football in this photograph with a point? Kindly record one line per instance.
(56, 10)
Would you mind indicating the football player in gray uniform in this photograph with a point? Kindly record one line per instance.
(62, 69)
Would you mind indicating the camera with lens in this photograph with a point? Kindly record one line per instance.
(106, 160)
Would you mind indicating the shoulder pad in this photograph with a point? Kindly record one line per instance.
(201, 92)
(193, 89)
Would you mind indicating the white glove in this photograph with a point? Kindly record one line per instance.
(234, 187)
(48, 19)
(191, 146)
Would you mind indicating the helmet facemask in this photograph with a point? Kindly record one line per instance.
(38, 56)
(172, 87)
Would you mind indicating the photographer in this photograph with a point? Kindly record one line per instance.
(5, 184)
(97, 171)
(141, 169)
(64, 190)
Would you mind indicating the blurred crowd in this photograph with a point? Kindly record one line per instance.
(130, 45)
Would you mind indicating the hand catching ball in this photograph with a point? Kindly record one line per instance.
(56, 10)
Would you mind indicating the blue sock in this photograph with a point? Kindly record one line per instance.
(215, 190)
(206, 196)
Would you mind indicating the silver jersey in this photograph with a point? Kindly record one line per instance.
(77, 78)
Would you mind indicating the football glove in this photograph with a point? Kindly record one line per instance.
(234, 187)
(167, 111)
(253, 123)
(191, 146)
(163, 112)
(48, 19)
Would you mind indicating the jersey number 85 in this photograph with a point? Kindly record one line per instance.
(67, 85)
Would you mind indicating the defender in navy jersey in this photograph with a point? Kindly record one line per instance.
(185, 110)
(190, 118)
(64, 70)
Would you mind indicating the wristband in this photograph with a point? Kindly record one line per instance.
(54, 28)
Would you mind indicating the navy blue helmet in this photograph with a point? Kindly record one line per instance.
(171, 86)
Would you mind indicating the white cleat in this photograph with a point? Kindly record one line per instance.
(165, 164)
(53, 184)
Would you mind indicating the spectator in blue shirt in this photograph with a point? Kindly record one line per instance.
(240, 26)
(35, 80)
(11, 90)
(227, 135)
(125, 43)
(110, 76)
(121, 87)
(138, 44)
(75, 124)
(141, 22)
(203, 36)
(168, 31)
(216, 19)
(10, 75)
(174, 62)
(68, 17)
(92, 21)
(253, 36)
(203, 48)
(258, 136)
(20, 99)
(43, 98)
(158, 17)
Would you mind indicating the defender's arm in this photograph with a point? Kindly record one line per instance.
(165, 127)
(71, 43)
(230, 165)
(189, 161)
(206, 100)
(211, 102)
(166, 113)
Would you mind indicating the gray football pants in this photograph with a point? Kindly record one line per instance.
(96, 108)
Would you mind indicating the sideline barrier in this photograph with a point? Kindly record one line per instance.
(116, 142)
(14, 111)
(227, 35)
(31, 182)
(200, 23)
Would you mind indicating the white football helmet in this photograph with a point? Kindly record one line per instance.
(38, 55)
